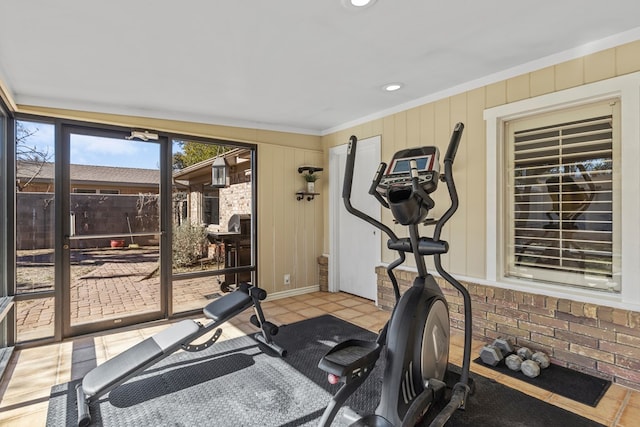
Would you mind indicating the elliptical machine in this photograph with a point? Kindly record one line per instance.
(416, 337)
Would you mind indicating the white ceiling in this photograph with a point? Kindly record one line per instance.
(300, 65)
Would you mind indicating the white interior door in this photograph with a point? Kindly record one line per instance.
(355, 245)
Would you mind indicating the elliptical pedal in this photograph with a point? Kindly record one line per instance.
(350, 358)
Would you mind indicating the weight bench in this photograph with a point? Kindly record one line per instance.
(129, 363)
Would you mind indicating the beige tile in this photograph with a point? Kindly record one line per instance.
(617, 392)
(377, 327)
(456, 355)
(23, 395)
(303, 298)
(287, 318)
(630, 417)
(272, 311)
(335, 296)
(350, 302)
(25, 416)
(604, 413)
(382, 315)
(634, 399)
(317, 301)
(365, 321)
(296, 306)
(330, 307)
(33, 371)
(366, 307)
(346, 313)
(311, 312)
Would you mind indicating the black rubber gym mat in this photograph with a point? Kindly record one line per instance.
(569, 383)
(234, 383)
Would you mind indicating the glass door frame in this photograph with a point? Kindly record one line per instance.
(63, 229)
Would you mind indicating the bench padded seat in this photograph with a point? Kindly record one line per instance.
(228, 306)
(118, 369)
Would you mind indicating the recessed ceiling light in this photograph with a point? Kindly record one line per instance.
(357, 4)
(392, 87)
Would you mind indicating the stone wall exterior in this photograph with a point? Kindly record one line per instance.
(601, 341)
(235, 199)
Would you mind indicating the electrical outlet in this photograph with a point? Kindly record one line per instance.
(287, 279)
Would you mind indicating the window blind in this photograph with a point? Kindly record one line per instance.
(562, 201)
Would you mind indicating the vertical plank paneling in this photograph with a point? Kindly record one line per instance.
(496, 94)
(457, 225)
(290, 232)
(628, 58)
(431, 124)
(413, 127)
(266, 211)
(474, 202)
(280, 202)
(518, 88)
(291, 182)
(427, 125)
(600, 66)
(542, 81)
(569, 74)
(317, 227)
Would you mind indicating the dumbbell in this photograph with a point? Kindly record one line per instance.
(494, 353)
(514, 361)
(532, 367)
(528, 362)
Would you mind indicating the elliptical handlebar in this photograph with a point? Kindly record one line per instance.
(346, 191)
(454, 142)
(449, 157)
(348, 172)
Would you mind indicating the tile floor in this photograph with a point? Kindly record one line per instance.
(25, 389)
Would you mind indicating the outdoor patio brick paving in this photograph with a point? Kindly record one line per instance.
(110, 291)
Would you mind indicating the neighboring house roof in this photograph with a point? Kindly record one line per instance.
(103, 175)
(232, 157)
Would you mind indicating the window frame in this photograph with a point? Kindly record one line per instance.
(560, 122)
(625, 88)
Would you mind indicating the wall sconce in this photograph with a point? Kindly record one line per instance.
(219, 173)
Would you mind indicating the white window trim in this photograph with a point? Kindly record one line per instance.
(627, 89)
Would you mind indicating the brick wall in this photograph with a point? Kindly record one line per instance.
(598, 340)
(323, 273)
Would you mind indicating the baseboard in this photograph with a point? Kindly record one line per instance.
(293, 292)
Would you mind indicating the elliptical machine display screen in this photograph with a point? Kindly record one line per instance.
(399, 172)
(404, 165)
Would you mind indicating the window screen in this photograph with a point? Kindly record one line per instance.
(562, 198)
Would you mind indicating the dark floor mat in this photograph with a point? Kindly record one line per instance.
(234, 383)
(569, 383)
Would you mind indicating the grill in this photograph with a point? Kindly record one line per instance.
(237, 247)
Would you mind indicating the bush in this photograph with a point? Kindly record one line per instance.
(189, 243)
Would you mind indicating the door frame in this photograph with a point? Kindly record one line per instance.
(335, 199)
(63, 229)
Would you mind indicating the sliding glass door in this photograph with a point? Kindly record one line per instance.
(115, 227)
(111, 200)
